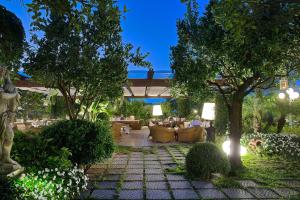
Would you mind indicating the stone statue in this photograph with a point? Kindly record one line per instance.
(9, 101)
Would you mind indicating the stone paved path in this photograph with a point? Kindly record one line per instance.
(145, 174)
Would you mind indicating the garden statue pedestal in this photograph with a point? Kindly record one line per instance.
(9, 100)
(10, 170)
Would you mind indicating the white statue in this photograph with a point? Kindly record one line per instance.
(9, 100)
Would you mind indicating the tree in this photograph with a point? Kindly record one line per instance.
(234, 48)
(31, 105)
(80, 52)
(11, 38)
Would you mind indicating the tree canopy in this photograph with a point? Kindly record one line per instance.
(81, 51)
(234, 48)
(11, 38)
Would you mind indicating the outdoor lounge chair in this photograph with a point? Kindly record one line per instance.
(191, 135)
(162, 134)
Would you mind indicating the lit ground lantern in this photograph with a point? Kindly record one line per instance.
(226, 148)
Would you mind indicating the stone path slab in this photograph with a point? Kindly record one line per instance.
(235, 193)
(263, 193)
(103, 194)
(131, 194)
(211, 194)
(185, 194)
(142, 175)
(158, 194)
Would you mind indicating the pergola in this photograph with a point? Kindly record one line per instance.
(140, 84)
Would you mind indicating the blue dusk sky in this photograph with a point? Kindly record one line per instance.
(149, 24)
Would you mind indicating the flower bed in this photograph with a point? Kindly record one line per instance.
(50, 184)
(275, 144)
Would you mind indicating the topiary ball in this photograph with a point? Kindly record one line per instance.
(203, 159)
(88, 142)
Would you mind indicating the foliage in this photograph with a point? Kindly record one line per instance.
(167, 109)
(11, 38)
(100, 111)
(34, 152)
(57, 107)
(31, 105)
(138, 109)
(204, 159)
(7, 189)
(275, 144)
(89, 142)
(236, 47)
(79, 50)
(52, 184)
(221, 119)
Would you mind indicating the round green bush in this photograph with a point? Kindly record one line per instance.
(204, 159)
(88, 142)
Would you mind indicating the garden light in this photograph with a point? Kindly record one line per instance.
(281, 95)
(294, 95)
(195, 111)
(226, 148)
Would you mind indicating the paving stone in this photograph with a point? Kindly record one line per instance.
(173, 177)
(117, 166)
(132, 185)
(112, 177)
(180, 185)
(116, 171)
(85, 194)
(135, 171)
(155, 177)
(103, 194)
(167, 162)
(135, 177)
(106, 185)
(248, 183)
(153, 171)
(134, 162)
(133, 166)
(153, 166)
(136, 159)
(291, 183)
(121, 156)
(202, 184)
(211, 194)
(235, 193)
(185, 194)
(99, 166)
(131, 194)
(152, 162)
(96, 171)
(157, 185)
(263, 193)
(158, 194)
(94, 177)
(168, 166)
(285, 192)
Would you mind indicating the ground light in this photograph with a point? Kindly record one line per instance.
(226, 148)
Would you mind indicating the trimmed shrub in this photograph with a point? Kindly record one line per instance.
(204, 159)
(89, 142)
(34, 152)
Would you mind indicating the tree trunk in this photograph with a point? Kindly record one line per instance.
(280, 123)
(235, 128)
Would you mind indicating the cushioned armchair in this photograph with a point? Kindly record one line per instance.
(190, 135)
(162, 134)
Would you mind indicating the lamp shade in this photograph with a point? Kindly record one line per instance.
(208, 111)
(157, 110)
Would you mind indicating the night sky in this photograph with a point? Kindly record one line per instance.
(149, 24)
